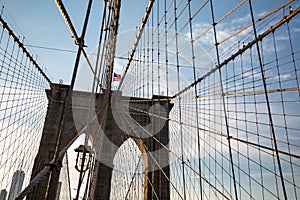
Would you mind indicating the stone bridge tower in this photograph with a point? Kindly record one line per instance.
(125, 117)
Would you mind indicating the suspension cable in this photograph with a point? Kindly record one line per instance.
(139, 35)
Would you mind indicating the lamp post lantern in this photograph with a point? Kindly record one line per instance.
(83, 163)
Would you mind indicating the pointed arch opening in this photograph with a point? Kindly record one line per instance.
(129, 175)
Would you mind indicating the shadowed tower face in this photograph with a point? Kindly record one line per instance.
(129, 118)
(125, 118)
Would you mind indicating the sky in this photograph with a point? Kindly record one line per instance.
(41, 23)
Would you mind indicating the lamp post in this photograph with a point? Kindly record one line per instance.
(83, 154)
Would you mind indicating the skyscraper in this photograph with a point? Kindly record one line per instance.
(16, 184)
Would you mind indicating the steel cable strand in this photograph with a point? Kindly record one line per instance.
(51, 164)
(35, 182)
(175, 155)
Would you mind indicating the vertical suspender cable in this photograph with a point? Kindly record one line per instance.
(141, 29)
(179, 100)
(56, 158)
(267, 101)
(223, 99)
(100, 40)
(196, 95)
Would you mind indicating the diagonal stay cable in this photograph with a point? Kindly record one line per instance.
(178, 157)
(69, 23)
(235, 33)
(41, 175)
(147, 150)
(240, 51)
(76, 65)
(175, 155)
(217, 133)
(58, 155)
(95, 84)
(65, 14)
(132, 178)
(21, 45)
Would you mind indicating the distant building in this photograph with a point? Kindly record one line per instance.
(3, 194)
(16, 184)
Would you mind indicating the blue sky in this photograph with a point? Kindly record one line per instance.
(42, 24)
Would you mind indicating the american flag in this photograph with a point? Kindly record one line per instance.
(117, 77)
